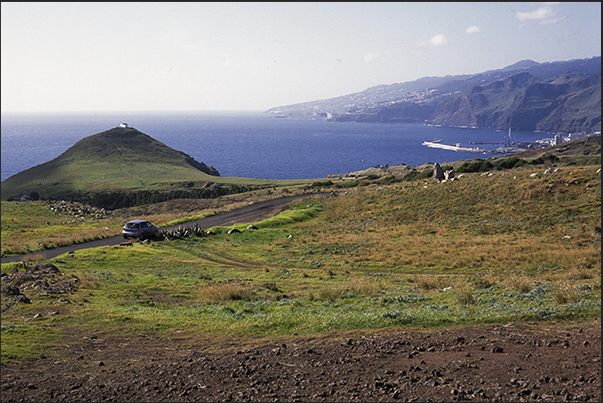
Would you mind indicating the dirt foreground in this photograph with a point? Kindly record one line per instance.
(515, 362)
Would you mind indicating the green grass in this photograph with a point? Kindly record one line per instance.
(483, 249)
(21, 342)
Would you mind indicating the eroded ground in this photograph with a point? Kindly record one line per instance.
(516, 362)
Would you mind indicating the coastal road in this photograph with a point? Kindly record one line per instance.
(251, 213)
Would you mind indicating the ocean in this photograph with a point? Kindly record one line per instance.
(249, 144)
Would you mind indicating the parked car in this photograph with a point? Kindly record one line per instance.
(141, 229)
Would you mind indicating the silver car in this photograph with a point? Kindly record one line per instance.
(141, 229)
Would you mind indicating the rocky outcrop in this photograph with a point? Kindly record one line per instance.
(438, 172)
(35, 279)
(440, 175)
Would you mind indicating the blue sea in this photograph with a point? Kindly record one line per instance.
(249, 144)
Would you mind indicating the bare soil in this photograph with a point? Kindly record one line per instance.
(515, 362)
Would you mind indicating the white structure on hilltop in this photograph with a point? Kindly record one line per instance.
(123, 125)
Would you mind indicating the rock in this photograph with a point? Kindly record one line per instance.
(44, 267)
(234, 231)
(11, 290)
(438, 172)
(20, 298)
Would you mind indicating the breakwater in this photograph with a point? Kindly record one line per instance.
(456, 147)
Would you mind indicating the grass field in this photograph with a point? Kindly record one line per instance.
(498, 247)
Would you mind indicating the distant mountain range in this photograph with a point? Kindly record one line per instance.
(562, 96)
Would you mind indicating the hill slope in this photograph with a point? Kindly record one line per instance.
(421, 100)
(119, 158)
(567, 103)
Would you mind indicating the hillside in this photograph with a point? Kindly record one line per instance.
(119, 158)
(485, 288)
(559, 96)
(567, 103)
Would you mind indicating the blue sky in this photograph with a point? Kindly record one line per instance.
(254, 56)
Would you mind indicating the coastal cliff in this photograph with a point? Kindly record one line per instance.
(528, 96)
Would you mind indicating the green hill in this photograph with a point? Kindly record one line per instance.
(117, 159)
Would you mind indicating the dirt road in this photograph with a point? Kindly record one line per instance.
(251, 213)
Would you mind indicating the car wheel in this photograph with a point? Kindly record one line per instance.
(142, 237)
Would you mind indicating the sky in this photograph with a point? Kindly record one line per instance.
(194, 56)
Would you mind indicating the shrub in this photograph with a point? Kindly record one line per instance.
(475, 166)
(416, 175)
(389, 179)
(545, 158)
(509, 163)
(320, 184)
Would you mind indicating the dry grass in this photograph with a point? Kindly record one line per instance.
(564, 293)
(366, 287)
(519, 282)
(88, 281)
(464, 297)
(326, 294)
(426, 282)
(36, 257)
(216, 293)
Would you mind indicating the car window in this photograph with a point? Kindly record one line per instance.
(131, 225)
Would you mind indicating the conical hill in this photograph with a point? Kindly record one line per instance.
(117, 159)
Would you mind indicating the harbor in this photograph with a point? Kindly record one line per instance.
(455, 147)
(508, 146)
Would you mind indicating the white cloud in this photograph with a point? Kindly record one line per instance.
(472, 30)
(543, 16)
(438, 40)
(371, 56)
